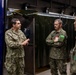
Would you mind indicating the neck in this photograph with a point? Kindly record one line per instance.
(13, 28)
(58, 29)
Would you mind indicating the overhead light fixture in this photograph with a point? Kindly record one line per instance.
(47, 10)
(24, 6)
(62, 12)
(74, 14)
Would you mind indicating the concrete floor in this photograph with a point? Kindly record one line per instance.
(47, 72)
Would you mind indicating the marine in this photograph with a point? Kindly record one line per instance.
(57, 40)
(15, 41)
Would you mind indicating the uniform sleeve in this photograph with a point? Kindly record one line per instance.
(10, 41)
(24, 36)
(49, 39)
(62, 40)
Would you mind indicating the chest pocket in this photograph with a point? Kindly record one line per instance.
(55, 35)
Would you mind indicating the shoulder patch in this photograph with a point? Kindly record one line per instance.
(61, 36)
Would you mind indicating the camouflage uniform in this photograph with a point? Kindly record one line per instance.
(73, 55)
(15, 52)
(73, 59)
(57, 52)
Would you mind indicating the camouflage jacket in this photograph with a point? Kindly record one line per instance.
(13, 40)
(73, 60)
(58, 49)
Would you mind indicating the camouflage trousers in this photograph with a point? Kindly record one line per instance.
(57, 64)
(15, 66)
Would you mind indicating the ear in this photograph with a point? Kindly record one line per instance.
(60, 25)
(13, 25)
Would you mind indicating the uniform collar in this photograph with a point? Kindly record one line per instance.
(15, 32)
(59, 30)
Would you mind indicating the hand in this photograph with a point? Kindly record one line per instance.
(26, 42)
(56, 39)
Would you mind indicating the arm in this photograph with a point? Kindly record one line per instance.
(61, 40)
(49, 39)
(23, 35)
(25, 40)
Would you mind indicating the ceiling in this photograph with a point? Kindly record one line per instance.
(68, 6)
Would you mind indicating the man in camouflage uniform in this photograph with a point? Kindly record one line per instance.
(15, 40)
(57, 40)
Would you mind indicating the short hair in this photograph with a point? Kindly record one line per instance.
(13, 21)
(59, 20)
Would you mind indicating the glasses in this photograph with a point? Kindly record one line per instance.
(56, 24)
(18, 23)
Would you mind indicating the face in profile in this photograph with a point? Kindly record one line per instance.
(57, 26)
(18, 25)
